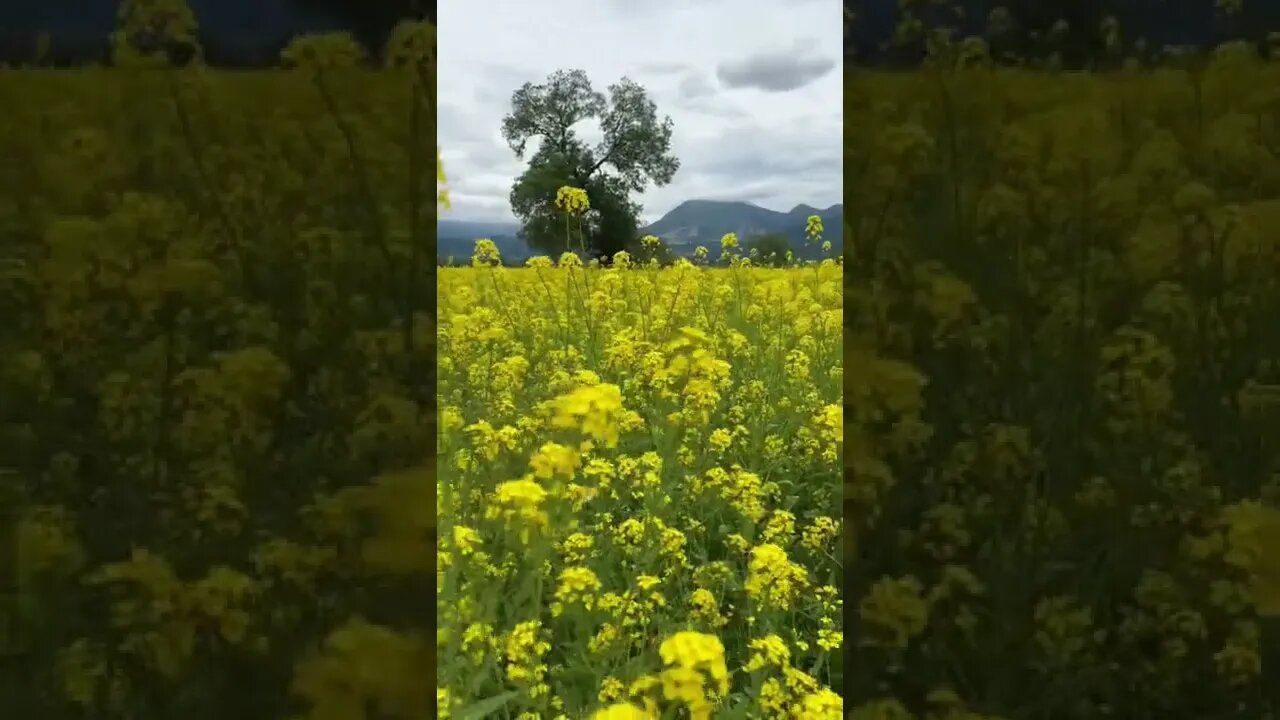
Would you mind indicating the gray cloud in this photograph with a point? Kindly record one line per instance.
(695, 85)
(774, 71)
(733, 142)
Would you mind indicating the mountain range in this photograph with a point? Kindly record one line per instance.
(688, 225)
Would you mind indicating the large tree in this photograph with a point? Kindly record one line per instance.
(635, 151)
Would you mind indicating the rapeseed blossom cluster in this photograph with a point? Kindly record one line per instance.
(639, 487)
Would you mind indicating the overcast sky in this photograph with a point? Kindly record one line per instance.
(754, 88)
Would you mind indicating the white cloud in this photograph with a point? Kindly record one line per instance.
(754, 89)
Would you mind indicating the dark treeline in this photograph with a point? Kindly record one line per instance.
(1144, 26)
(232, 33)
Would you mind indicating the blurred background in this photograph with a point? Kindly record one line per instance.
(233, 33)
(1027, 25)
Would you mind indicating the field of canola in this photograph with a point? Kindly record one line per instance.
(639, 490)
(1062, 468)
(216, 404)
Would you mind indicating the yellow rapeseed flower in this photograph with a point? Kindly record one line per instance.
(442, 194)
(624, 711)
(699, 651)
(572, 200)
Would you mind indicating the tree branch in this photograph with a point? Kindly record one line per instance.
(607, 156)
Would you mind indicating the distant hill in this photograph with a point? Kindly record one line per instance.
(704, 222)
(457, 239)
(688, 225)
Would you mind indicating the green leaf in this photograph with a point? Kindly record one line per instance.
(485, 708)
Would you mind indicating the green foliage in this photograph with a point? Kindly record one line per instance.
(635, 151)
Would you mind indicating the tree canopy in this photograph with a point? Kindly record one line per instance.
(770, 248)
(635, 151)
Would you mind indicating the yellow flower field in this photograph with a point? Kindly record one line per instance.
(638, 494)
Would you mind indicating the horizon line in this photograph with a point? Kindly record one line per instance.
(660, 216)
